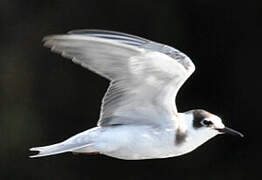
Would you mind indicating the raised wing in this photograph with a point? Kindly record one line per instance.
(145, 76)
(140, 42)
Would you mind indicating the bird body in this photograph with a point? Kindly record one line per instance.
(139, 118)
(131, 142)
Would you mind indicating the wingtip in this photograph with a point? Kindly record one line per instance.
(46, 38)
(47, 41)
(60, 37)
(53, 37)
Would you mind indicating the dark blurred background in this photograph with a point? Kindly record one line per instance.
(45, 98)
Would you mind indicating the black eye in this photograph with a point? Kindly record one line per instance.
(206, 122)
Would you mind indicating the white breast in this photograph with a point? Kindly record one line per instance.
(136, 142)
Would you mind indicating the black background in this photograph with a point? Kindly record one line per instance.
(45, 98)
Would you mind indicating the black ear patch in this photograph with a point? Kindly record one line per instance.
(198, 116)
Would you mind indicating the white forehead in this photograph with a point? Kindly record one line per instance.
(216, 121)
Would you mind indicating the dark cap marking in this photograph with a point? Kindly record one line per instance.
(198, 116)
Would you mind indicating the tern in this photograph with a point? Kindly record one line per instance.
(138, 117)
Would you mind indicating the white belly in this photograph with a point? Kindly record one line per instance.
(136, 142)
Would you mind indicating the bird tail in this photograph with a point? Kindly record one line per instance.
(80, 142)
(48, 150)
(55, 149)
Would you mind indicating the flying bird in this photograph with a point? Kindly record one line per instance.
(138, 117)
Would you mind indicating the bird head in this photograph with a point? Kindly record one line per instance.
(205, 121)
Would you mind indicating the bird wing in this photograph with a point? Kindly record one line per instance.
(145, 76)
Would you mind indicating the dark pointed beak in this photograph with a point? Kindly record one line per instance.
(227, 130)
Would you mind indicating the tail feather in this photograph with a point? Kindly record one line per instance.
(55, 149)
(79, 141)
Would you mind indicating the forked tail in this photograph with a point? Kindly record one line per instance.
(79, 142)
(55, 149)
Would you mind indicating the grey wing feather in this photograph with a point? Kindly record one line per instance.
(100, 56)
(139, 42)
(145, 76)
(118, 36)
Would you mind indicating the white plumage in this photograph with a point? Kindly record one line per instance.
(139, 118)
